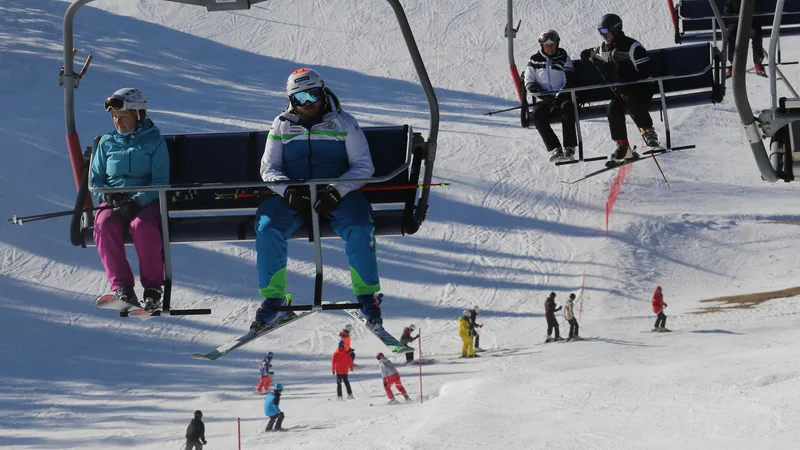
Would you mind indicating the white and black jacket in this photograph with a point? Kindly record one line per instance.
(550, 73)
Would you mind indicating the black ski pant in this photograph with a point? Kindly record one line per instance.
(661, 320)
(541, 120)
(409, 356)
(342, 379)
(551, 324)
(193, 445)
(755, 36)
(276, 420)
(636, 103)
(477, 337)
(573, 327)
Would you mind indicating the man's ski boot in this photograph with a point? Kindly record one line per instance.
(759, 70)
(340, 399)
(393, 401)
(655, 329)
(556, 154)
(548, 340)
(557, 339)
(265, 316)
(569, 154)
(408, 399)
(127, 295)
(152, 298)
(651, 138)
(371, 309)
(623, 152)
(350, 397)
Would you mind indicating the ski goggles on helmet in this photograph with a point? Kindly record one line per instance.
(604, 31)
(305, 97)
(548, 38)
(115, 103)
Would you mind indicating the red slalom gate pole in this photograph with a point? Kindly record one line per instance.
(580, 308)
(420, 365)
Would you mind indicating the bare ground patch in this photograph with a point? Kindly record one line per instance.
(745, 301)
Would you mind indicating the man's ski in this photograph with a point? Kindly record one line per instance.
(250, 336)
(611, 165)
(393, 344)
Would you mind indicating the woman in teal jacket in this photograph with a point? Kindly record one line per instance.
(134, 154)
(272, 410)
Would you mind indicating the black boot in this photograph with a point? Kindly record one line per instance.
(126, 294)
(152, 298)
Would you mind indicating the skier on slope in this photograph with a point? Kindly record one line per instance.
(623, 59)
(549, 71)
(473, 314)
(273, 411)
(550, 311)
(266, 374)
(344, 335)
(732, 8)
(467, 347)
(134, 154)
(391, 377)
(658, 308)
(341, 365)
(314, 138)
(196, 432)
(406, 339)
(569, 315)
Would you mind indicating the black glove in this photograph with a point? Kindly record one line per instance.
(327, 200)
(587, 54)
(534, 88)
(127, 209)
(115, 199)
(298, 197)
(205, 442)
(272, 373)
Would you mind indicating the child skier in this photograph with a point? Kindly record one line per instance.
(341, 365)
(406, 339)
(344, 335)
(391, 377)
(266, 374)
(658, 308)
(467, 348)
(272, 409)
(570, 317)
(550, 311)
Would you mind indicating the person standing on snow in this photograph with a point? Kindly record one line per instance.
(473, 314)
(133, 155)
(391, 377)
(622, 59)
(407, 339)
(658, 308)
(341, 365)
(344, 335)
(550, 311)
(196, 432)
(569, 315)
(313, 138)
(273, 411)
(467, 348)
(549, 71)
(266, 374)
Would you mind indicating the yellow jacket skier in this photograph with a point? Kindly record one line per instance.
(465, 331)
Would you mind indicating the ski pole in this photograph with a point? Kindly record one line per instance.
(21, 220)
(502, 110)
(359, 383)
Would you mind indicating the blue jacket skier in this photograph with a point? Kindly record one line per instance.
(273, 410)
(314, 138)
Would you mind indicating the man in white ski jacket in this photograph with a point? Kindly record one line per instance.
(391, 377)
(312, 139)
(549, 71)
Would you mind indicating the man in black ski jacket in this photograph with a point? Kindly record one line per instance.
(407, 339)
(623, 59)
(550, 311)
(732, 8)
(196, 432)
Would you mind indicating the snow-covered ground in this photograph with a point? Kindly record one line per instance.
(503, 235)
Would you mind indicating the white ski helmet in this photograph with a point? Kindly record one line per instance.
(466, 313)
(412, 327)
(348, 327)
(126, 99)
(476, 308)
(549, 37)
(303, 80)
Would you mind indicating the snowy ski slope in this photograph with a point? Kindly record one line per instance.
(503, 235)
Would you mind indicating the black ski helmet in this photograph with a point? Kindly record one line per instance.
(198, 414)
(552, 295)
(611, 22)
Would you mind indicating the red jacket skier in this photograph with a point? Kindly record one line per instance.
(658, 308)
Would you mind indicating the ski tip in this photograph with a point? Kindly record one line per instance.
(200, 356)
